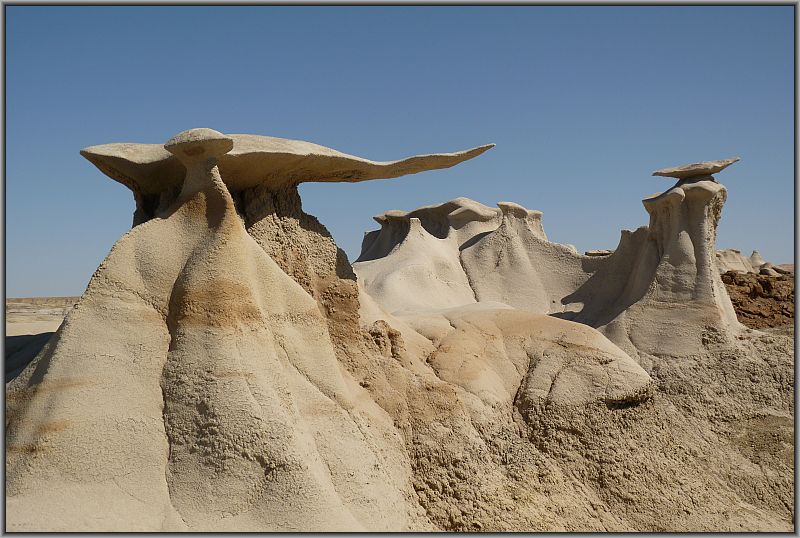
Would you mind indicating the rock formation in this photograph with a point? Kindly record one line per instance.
(732, 259)
(762, 301)
(154, 175)
(696, 170)
(195, 385)
(660, 281)
(658, 296)
(226, 369)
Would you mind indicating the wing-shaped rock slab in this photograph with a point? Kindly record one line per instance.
(254, 159)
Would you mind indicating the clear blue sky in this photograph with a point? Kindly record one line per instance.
(582, 102)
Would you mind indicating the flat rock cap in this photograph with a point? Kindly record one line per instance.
(705, 168)
(253, 160)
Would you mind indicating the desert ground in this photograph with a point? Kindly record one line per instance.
(30, 322)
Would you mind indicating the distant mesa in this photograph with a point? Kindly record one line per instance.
(705, 168)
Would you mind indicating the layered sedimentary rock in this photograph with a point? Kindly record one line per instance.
(195, 386)
(696, 170)
(227, 370)
(659, 297)
(732, 259)
(154, 175)
(661, 280)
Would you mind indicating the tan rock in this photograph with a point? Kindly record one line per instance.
(195, 387)
(627, 293)
(731, 259)
(227, 371)
(768, 270)
(658, 297)
(756, 260)
(705, 168)
(154, 175)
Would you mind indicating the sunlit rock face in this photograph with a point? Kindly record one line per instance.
(528, 327)
(228, 370)
(197, 374)
(631, 294)
(155, 176)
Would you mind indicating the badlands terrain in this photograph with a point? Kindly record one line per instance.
(228, 368)
(761, 302)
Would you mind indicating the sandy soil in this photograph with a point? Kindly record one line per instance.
(30, 322)
(35, 315)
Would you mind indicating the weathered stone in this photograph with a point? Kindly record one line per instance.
(688, 171)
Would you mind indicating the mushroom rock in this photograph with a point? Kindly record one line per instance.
(663, 280)
(683, 223)
(262, 173)
(153, 173)
(195, 387)
(672, 282)
(686, 295)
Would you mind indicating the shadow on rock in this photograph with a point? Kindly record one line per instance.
(21, 350)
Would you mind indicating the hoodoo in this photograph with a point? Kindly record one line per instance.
(661, 280)
(195, 384)
(154, 174)
(658, 296)
(227, 370)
